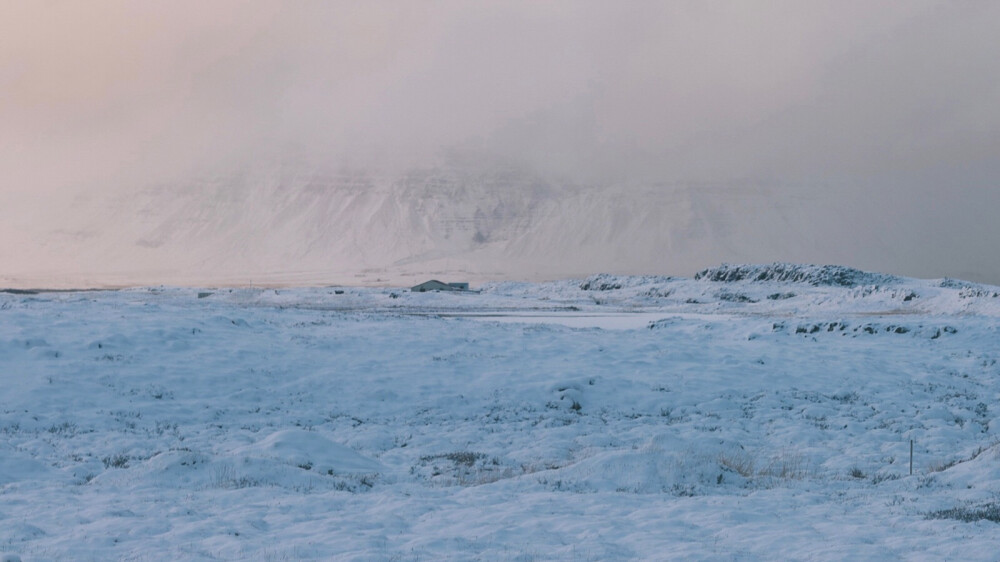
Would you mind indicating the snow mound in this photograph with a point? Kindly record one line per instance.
(971, 290)
(19, 532)
(816, 275)
(16, 467)
(644, 471)
(311, 450)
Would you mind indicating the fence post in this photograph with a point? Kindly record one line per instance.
(911, 457)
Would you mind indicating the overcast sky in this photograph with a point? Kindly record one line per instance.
(900, 99)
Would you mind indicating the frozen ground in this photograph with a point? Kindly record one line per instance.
(752, 413)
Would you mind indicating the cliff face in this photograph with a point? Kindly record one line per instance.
(462, 218)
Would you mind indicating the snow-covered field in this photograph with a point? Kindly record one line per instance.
(753, 413)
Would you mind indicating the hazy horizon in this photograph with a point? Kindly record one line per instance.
(195, 142)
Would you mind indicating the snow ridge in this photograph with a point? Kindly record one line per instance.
(816, 275)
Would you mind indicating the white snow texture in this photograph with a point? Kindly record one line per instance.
(752, 413)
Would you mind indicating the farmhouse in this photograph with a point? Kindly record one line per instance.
(435, 285)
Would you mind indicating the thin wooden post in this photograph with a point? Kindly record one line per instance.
(911, 457)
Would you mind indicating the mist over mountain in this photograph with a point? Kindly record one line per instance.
(228, 142)
(466, 216)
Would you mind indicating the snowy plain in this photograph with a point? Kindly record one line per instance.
(751, 413)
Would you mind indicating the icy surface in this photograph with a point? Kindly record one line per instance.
(608, 418)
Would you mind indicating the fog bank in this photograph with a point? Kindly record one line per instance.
(822, 131)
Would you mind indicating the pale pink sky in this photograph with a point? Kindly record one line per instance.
(898, 99)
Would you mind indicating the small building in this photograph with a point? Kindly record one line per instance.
(435, 285)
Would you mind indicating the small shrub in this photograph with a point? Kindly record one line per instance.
(856, 472)
(226, 477)
(466, 458)
(463, 468)
(783, 466)
(846, 397)
(942, 466)
(157, 392)
(740, 462)
(64, 428)
(786, 466)
(989, 512)
(119, 460)
(884, 476)
(945, 465)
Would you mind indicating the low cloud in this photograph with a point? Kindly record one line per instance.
(892, 103)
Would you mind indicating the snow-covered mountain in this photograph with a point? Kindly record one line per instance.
(467, 216)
